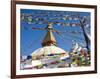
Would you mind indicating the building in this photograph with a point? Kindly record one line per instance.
(50, 55)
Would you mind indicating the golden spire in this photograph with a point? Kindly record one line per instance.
(49, 37)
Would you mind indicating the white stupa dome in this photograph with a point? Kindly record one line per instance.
(48, 55)
(49, 50)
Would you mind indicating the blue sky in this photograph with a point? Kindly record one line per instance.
(32, 39)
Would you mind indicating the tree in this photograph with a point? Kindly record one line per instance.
(83, 24)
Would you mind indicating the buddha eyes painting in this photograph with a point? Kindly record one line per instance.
(54, 39)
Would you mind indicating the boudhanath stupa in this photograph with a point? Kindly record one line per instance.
(49, 55)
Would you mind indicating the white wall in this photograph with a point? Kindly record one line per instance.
(5, 39)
